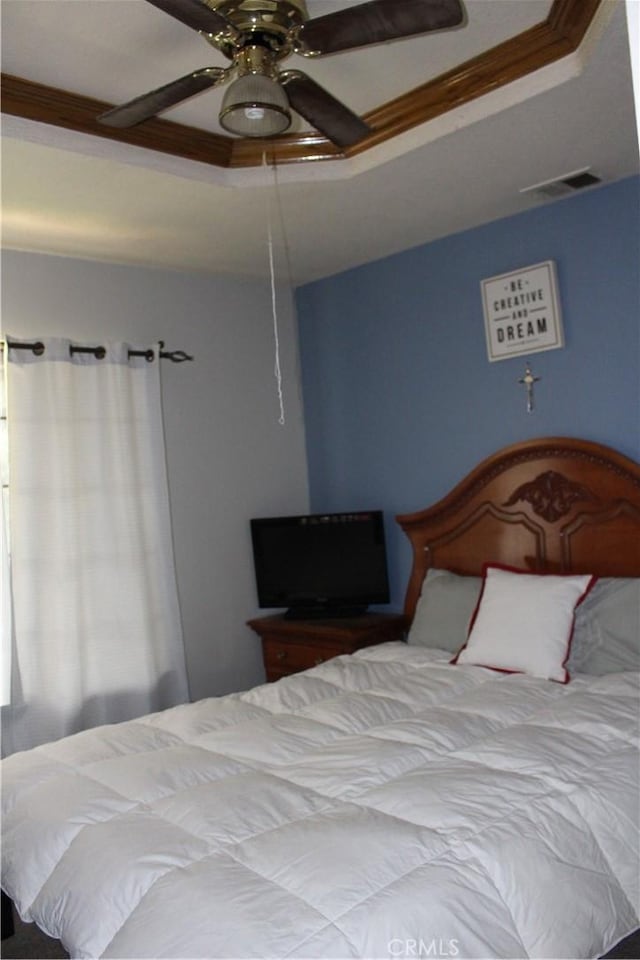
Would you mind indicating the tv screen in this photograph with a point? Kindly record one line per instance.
(325, 564)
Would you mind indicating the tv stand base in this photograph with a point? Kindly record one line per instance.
(324, 613)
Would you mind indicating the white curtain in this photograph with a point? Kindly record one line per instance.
(95, 607)
(6, 622)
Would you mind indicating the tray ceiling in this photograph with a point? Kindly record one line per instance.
(527, 91)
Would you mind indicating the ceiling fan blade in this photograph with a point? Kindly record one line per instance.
(197, 15)
(149, 104)
(331, 117)
(375, 22)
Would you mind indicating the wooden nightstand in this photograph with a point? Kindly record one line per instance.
(289, 646)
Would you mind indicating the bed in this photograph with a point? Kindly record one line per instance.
(410, 800)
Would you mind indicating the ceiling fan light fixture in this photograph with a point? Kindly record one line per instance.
(255, 35)
(255, 106)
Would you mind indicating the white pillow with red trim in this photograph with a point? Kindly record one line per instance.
(523, 622)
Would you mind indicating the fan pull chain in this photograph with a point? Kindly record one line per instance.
(274, 310)
(276, 339)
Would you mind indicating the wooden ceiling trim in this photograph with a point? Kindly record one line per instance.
(283, 149)
(496, 68)
(35, 101)
(572, 19)
(537, 47)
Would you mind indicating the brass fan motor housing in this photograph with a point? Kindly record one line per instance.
(268, 22)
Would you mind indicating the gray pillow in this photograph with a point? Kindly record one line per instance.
(443, 612)
(606, 635)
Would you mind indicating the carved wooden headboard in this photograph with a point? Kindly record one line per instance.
(556, 504)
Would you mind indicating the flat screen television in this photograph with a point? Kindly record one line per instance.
(321, 565)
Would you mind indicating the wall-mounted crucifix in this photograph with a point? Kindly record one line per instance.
(528, 380)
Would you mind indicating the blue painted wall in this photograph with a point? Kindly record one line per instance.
(400, 399)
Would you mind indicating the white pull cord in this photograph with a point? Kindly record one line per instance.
(274, 311)
(276, 339)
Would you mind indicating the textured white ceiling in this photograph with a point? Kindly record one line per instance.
(82, 196)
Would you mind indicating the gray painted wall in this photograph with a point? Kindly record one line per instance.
(228, 457)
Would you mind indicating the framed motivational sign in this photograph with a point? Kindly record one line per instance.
(522, 312)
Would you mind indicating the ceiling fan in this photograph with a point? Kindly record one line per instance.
(255, 35)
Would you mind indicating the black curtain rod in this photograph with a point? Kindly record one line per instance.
(38, 348)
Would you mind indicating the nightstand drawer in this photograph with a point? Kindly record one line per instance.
(282, 658)
(289, 646)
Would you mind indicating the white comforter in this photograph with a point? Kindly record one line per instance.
(381, 805)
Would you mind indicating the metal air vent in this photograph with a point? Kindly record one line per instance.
(564, 185)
